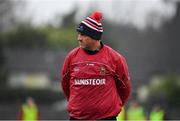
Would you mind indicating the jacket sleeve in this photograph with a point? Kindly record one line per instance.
(65, 76)
(122, 79)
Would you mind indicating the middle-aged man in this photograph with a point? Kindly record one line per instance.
(95, 78)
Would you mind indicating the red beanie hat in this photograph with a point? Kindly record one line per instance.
(92, 26)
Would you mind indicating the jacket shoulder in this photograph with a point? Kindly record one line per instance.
(113, 53)
(73, 52)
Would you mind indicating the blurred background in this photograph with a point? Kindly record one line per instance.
(36, 35)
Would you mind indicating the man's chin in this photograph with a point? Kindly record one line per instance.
(82, 46)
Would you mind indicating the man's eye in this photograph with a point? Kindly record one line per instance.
(82, 34)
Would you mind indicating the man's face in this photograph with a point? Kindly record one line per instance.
(85, 41)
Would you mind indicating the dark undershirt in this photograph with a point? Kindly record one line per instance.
(90, 52)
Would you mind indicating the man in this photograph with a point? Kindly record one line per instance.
(136, 112)
(95, 77)
(29, 111)
(157, 114)
(122, 115)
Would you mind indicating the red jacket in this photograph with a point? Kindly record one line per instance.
(96, 86)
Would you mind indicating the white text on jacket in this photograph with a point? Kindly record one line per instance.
(90, 81)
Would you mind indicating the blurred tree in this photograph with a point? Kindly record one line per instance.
(164, 91)
(68, 20)
(8, 20)
(64, 34)
(2, 65)
(60, 37)
(169, 86)
(8, 13)
(111, 34)
(25, 36)
(5, 15)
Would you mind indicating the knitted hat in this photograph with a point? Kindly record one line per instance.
(92, 26)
